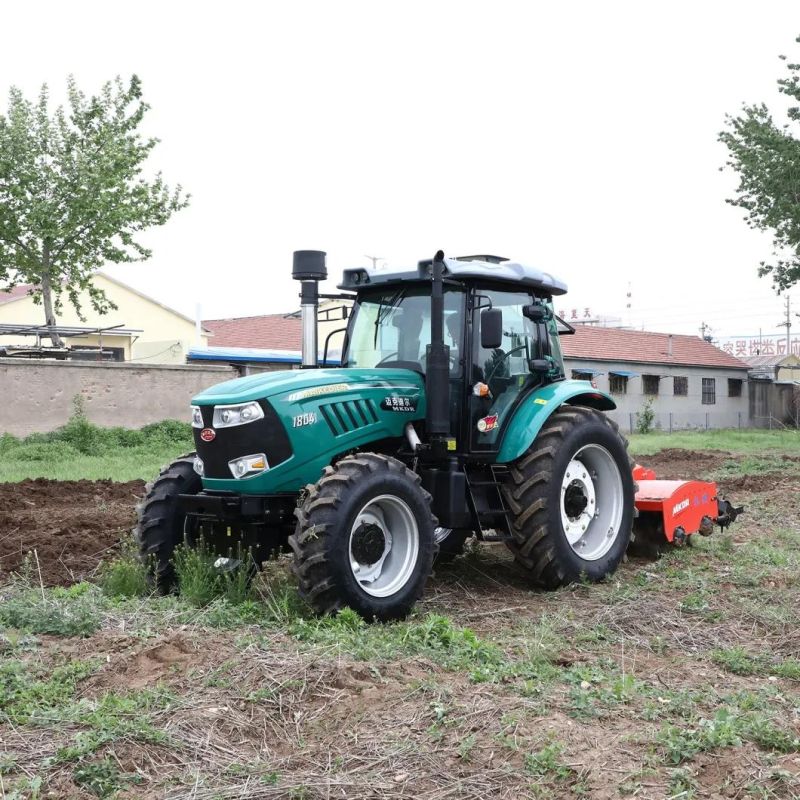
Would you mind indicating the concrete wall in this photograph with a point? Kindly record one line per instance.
(37, 395)
(681, 412)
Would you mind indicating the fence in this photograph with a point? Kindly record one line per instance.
(672, 422)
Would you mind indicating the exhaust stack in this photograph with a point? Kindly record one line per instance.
(308, 267)
(437, 378)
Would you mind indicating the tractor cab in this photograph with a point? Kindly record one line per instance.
(501, 335)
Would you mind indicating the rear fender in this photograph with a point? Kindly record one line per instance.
(536, 408)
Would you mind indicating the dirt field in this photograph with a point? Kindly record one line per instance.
(72, 525)
(677, 678)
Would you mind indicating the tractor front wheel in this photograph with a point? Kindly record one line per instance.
(161, 524)
(571, 496)
(364, 538)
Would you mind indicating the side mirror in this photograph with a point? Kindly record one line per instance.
(536, 312)
(491, 328)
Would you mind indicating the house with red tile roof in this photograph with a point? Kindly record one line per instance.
(687, 381)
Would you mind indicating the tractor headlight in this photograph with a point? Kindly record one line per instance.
(198, 465)
(228, 416)
(197, 417)
(247, 466)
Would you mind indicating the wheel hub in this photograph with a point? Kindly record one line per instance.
(384, 543)
(575, 500)
(368, 545)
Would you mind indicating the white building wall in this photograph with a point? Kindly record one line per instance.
(672, 412)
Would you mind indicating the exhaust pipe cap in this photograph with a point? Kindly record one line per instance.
(309, 265)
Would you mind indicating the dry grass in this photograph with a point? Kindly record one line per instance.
(676, 678)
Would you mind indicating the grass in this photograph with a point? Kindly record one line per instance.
(82, 450)
(747, 441)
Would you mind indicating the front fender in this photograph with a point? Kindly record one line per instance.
(536, 408)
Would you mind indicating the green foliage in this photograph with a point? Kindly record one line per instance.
(73, 194)
(81, 449)
(27, 691)
(124, 577)
(60, 615)
(546, 763)
(201, 582)
(765, 154)
(111, 718)
(102, 778)
(645, 417)
(434, 636)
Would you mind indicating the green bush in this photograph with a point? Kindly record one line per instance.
(59, 615)
(201, 582)
(44, 451)
(124, 577)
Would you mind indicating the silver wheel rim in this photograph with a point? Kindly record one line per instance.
(383, 571)
(440, 534)
(592, 502)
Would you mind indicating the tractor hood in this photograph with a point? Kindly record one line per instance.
(304, 383)
(310, 417)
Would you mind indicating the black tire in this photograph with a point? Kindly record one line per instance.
(160, 526)
(533, 495)
(322, 540)
(452, 546)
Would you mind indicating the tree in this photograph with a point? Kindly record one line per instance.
(767, 158)
(72, 193)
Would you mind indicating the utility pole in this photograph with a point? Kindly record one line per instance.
(788, 325)
(374, 260)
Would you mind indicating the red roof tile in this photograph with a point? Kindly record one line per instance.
(617, 344)
(15, 293)
(267, 332)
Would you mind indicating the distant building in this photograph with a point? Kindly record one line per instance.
(140, 329)
(690, 382)
(776, 368)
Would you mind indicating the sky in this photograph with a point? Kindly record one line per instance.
(579, 137)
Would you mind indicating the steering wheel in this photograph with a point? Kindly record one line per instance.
(388, 358)
(391, 356)
(503, 359)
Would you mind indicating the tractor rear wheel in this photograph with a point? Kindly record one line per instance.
(571, 497)
(364, 538)
(160, 526)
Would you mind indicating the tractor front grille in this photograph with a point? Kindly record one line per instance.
(267, 436)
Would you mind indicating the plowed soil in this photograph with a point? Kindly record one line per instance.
(71, 525)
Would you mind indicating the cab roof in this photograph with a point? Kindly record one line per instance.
(463, 268)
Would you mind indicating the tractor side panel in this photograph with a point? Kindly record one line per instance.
(327, 420)
(533, 412)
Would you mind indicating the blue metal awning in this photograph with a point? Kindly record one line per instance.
(623, 373)
(586, 371)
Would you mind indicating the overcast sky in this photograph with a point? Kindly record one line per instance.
(579, 137)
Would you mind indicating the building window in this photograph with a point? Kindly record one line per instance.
(709, 391)
(734, 387)
(582, 375)
(680, 387)
(650, 383)
(618, 384)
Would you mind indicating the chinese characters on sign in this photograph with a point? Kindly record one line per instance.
(746, 346)
(575, 313)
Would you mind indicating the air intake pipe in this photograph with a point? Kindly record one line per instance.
(308, 267)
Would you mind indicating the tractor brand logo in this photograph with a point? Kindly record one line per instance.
(208, 434)
(678, 507)
(487, 423)
(402, 404)
(316, 391)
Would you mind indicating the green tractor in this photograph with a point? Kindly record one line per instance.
(449, 417)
